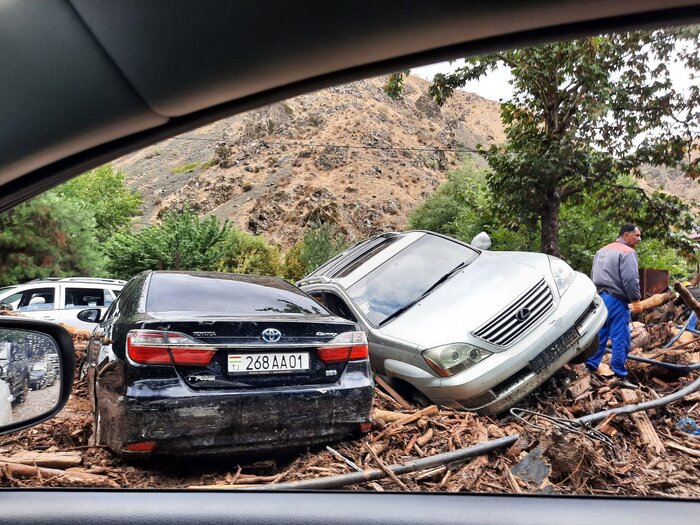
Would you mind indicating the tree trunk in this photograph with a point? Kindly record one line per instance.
(549, 231)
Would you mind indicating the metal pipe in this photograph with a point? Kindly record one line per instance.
(656, 403)
(334, 482)
(678, 335)
(672, 366)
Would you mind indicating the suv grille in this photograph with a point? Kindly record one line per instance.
(509, 325)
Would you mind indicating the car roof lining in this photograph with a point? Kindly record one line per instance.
(114, 115)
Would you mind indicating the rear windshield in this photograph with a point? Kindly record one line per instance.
(225, 295)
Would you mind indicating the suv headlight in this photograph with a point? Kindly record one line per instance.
(449, 360)
(562, 273)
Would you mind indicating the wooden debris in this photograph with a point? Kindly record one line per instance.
(58, 460)
(687, 298)
(67, 478)
(393, 393)
(580, 385)
(647, 434)
(655, 301)
(690, 451)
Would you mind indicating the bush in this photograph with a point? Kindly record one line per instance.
(321, 242)
(242, 252)
(182, 241)
(294, 268)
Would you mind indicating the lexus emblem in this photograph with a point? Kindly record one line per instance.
(523, 314)
(271, 335)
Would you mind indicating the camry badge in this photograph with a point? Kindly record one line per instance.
(271, 335)
(523, 314)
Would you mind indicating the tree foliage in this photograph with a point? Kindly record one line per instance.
(243, 252)
(584, 113)
(321, 242)
(182, 241)
(104, 191)
(47, 236)
(464, 206)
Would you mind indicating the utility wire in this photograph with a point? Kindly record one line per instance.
(331, 145)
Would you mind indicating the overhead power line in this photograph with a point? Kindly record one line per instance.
(333, 145)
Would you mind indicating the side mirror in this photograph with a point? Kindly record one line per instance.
(91, 315)
(31, 340)
(482, 241)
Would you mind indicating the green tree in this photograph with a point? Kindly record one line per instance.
(47, 236)
(321, 242)
(182, 241)
(464, 205)
(243, 252)
(104, 191)
(578, 114)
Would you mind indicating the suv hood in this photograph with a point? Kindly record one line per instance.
(470, 298)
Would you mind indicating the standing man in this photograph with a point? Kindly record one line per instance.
(616, 276)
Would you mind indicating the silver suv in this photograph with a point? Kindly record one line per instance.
(465, 327)
(61, 299)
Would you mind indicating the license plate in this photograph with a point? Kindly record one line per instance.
(556, 349)
(264, 363)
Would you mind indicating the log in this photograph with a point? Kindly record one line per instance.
(647, 434)
(695, 281)
(58, 460)
(387, 415)
(410, 418)
(687, 298)
(425, 438)
(656, 300)
(393, 393)
(73, 478)
(681, 448)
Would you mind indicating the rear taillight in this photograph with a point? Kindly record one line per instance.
(348, 346)
(154, 347)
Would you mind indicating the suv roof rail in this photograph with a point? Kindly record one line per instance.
(79, 279)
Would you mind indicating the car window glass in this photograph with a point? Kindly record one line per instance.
(233, 295)
(37, 299)
(12, 300)
(109, 297)
(407, 275)
(364, 257)
(85, 297)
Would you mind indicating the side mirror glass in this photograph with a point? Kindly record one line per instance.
(29, 383)
(91, 315)
(482, 241)
(36, 371)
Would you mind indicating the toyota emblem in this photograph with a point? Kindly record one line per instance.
(523, 314)
(271, 335)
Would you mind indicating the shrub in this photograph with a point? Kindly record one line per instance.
(243, 252)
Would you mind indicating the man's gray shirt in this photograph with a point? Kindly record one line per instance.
(616, 271)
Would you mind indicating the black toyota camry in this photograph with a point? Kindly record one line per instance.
(202, 363)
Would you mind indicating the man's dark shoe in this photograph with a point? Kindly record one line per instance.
(623, 382)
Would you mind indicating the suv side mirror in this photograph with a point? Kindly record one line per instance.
(91, 315)
(482, 241)
(21, 407)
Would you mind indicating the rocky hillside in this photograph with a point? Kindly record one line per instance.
(348, 155)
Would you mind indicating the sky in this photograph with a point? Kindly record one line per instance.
(495, 86)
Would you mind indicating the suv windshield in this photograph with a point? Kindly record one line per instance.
(407, 276)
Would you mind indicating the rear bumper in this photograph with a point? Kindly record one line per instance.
(186, 422)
